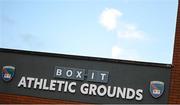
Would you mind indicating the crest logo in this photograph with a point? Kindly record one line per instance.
(156, 88)
(8, 73)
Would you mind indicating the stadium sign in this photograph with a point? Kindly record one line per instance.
(83, 79)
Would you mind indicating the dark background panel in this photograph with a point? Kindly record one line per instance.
(120, 74)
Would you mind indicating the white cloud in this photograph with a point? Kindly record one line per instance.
(131, 32)
(121, 53)
(116, 52)
(108, 18)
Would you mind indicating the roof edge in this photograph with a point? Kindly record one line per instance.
(110, 60)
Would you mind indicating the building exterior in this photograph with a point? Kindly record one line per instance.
(81, 79)
(170, 75)
(174, 96)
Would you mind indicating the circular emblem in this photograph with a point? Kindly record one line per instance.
(8, 73)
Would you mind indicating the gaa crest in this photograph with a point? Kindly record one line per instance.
(156, 88)
(7, 73)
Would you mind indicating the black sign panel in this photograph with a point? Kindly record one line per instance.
(83, 79)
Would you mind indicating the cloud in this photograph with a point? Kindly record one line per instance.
(30, 41)
(7, 19)
(121, 53)
(27, 37)
(131, 32)
(109, 18)
(116, 52)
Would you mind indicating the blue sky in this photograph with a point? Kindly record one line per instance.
(141, 30)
